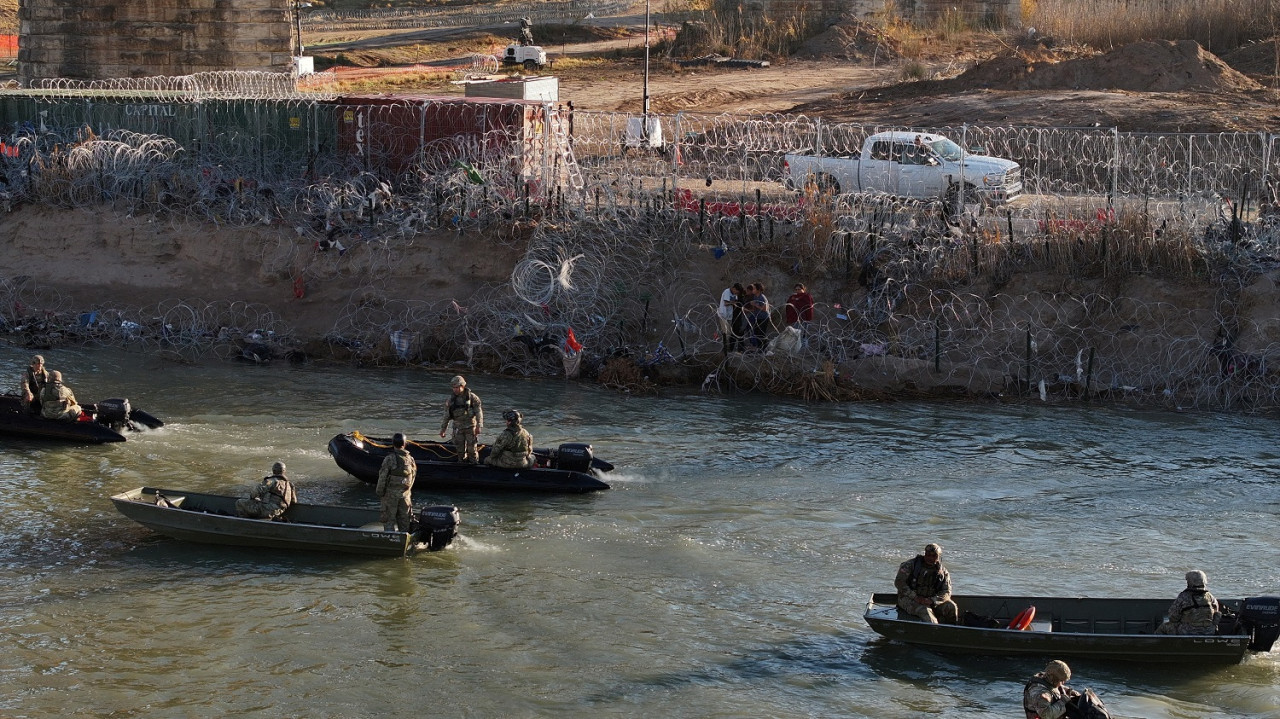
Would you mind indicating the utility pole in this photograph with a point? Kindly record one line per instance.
(644, 130)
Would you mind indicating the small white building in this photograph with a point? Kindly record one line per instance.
(542, 88)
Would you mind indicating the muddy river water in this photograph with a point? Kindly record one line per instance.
(724, 575)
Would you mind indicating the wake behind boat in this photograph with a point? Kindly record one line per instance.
(211, 519)
(112, 419)
(569, 468)
(1103, 628)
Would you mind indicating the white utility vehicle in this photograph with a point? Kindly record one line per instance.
(532, 57)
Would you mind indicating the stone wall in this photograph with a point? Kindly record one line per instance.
(102, 39)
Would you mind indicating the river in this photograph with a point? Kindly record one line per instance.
(724, 575)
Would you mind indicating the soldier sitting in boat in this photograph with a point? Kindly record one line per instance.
(271, 498)
(1195, 611)
(514, 447)
(924, 587)
(34, 379)
(57, 401)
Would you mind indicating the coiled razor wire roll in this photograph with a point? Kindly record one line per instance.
(608, 231)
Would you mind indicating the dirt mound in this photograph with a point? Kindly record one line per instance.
(851, 40)
(1257, 60)
(1151, 66)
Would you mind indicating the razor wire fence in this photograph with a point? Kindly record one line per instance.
(609, 220)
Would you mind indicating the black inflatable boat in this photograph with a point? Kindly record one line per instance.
(112, 418)
(569, 468)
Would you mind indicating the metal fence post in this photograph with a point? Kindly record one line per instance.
(1115, 166)
(1190, 186)
(675, 153)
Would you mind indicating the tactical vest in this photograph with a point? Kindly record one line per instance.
(277, 488)
(460, 402)
(1198, 614)
(36, 382)
(401, 467)
(1026, 701)
(920, 572)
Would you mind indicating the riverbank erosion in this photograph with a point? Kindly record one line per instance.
(1118, 310)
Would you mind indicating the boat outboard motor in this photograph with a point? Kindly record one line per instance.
(1260, 617)
(574, 457)
(114, 412)
(437, 526)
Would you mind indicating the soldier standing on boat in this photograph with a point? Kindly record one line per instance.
(271, 498)
(467, 415)
(924, 587)
(33, 380)
(395, 483)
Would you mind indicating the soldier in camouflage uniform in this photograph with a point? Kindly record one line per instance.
(1046, 695)
(395, 482)
(271, 498)
(467, 415)
(33, 381)
(924, 587)
(57, 401)
(514, 447)
(1194, 611)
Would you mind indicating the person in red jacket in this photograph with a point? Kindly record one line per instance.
(799, 305)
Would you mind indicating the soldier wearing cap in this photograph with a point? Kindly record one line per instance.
(1046, 695)
(924, 587)
(395, 485)
(34, 378)
(1195, 610)
(467, 415)
(271, 498)
(514, 447)
(57, 401)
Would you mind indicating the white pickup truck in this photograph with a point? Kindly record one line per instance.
(909, 164)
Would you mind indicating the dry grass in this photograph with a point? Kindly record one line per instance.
(1218, 25)
(9, 17)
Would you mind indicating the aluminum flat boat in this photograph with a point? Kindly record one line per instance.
(1110, 628)
(211, 519)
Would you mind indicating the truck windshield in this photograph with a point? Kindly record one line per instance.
(946, 149)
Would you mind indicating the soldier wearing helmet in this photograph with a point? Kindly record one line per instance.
(1046, 695)
(924, 587)
(514, 447)
(1195, 610)
(467, 414)
(34, 378)
(57, 401)
(395, 485)
(271, 498)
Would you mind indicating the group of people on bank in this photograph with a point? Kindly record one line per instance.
(43, 393)
(513, 449)
(924, 591)
(745, 316)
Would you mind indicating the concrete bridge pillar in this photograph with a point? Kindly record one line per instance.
(102, 39)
